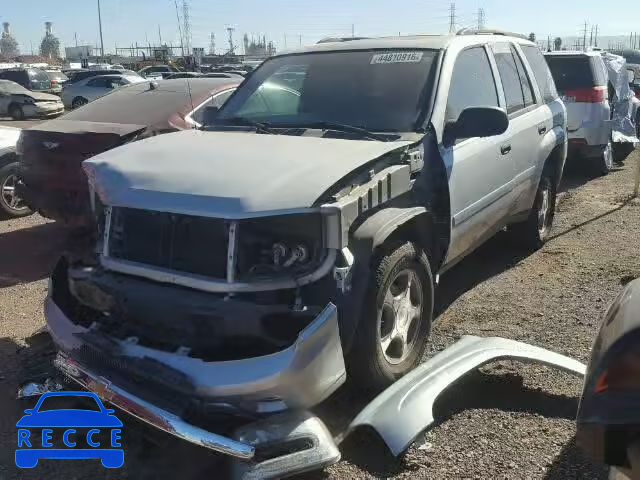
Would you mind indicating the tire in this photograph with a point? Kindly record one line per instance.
(393, 331)
(11, 206)
(16, 112)
(78, 102)
(534, 232)
(604, 162)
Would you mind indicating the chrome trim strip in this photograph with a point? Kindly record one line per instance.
(154, 416)
(231, 251)
(107, 231)
(207, 284)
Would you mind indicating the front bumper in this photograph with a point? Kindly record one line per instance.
(149, 413)
(298, 377)
(36, 110)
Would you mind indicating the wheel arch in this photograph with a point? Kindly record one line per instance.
(554, 164)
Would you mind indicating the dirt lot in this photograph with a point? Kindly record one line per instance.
(506, 421)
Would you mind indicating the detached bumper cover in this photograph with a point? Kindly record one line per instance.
(297, 377)
(405, 409)
(149, 413)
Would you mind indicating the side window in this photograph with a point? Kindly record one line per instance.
(219, 99)
(98, 82)
(527, 88)
(541, 72)
(510, 77)
(472, 83)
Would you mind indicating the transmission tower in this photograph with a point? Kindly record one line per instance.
(187, 27)
(452, 18)
(232, 48)
(481, 19)
(212, 44)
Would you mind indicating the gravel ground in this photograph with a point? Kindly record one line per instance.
(505, 421)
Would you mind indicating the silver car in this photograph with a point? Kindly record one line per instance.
(295, 241)
(20, 103)
(84, 91)
(582, 79)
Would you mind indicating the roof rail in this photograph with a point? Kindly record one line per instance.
(341, 39)
(473, 31)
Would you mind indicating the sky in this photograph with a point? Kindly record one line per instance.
(295, 22)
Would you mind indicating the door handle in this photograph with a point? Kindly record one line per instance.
(542, 129)
(505, 149)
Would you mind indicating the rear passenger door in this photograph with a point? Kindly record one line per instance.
(520, 144)
(479, 176)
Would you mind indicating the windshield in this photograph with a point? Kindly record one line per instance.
(384, 91)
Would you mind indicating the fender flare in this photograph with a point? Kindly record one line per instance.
(367, 237)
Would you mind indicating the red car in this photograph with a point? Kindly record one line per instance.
(52, 180)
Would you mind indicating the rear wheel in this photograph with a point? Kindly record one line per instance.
(604, 163)
(16, 112)
(393, 332)
(78, 102)
(534, 232)
(11, 205)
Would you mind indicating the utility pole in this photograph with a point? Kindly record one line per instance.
(100, 28)
(175, 2)
(159, 35)
(232, 48)
(353, 30)
(584, 36)
(187, 26)
(300, 40)
(31, 42)
(452, 18)
(591, 39)
(481, 19)
(75, 35)
(596, 39)
(212, 44)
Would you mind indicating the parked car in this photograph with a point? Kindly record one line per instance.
(84, 91)
(58, 79)
(20, 103)
(633, 61)
(30, 78)
(582, 80)
(78, 75)
(11, 205)
(51, 153)
(252, 266)
(157, 71)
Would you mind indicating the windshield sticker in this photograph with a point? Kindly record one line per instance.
(397, 57)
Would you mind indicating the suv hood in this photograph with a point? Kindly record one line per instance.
(43, 97)
(227, 174)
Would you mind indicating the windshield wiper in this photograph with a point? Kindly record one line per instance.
(243, 121)
(342, 127)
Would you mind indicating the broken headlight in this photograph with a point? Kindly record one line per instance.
(284, 245)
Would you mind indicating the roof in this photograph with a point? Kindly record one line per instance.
(420, 42)
(139, 104)
(573, 53)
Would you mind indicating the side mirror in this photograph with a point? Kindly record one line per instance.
(209, 115)
(631, 75)
(476, 122)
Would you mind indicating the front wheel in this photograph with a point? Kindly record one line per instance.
(78, 102)
(11, 205)
(16, 112)
(534, 232)
(393, 332)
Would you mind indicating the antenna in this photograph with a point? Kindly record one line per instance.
(187, 26)
(452, 18)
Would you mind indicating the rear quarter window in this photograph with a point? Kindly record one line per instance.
(541, 72)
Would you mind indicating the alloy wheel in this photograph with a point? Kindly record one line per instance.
(9, 196)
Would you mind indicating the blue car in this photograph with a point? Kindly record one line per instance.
(31, 448)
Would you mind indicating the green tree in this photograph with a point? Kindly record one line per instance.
(557, 43)
(532, 37)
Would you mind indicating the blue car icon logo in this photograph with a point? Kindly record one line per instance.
(72, 429)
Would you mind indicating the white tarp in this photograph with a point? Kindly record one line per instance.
(624, 127)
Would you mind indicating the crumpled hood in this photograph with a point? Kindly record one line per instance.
(44, 97)
(227, 174)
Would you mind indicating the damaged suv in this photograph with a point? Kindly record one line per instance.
(247, 267)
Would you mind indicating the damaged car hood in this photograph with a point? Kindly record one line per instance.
(227, 174)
